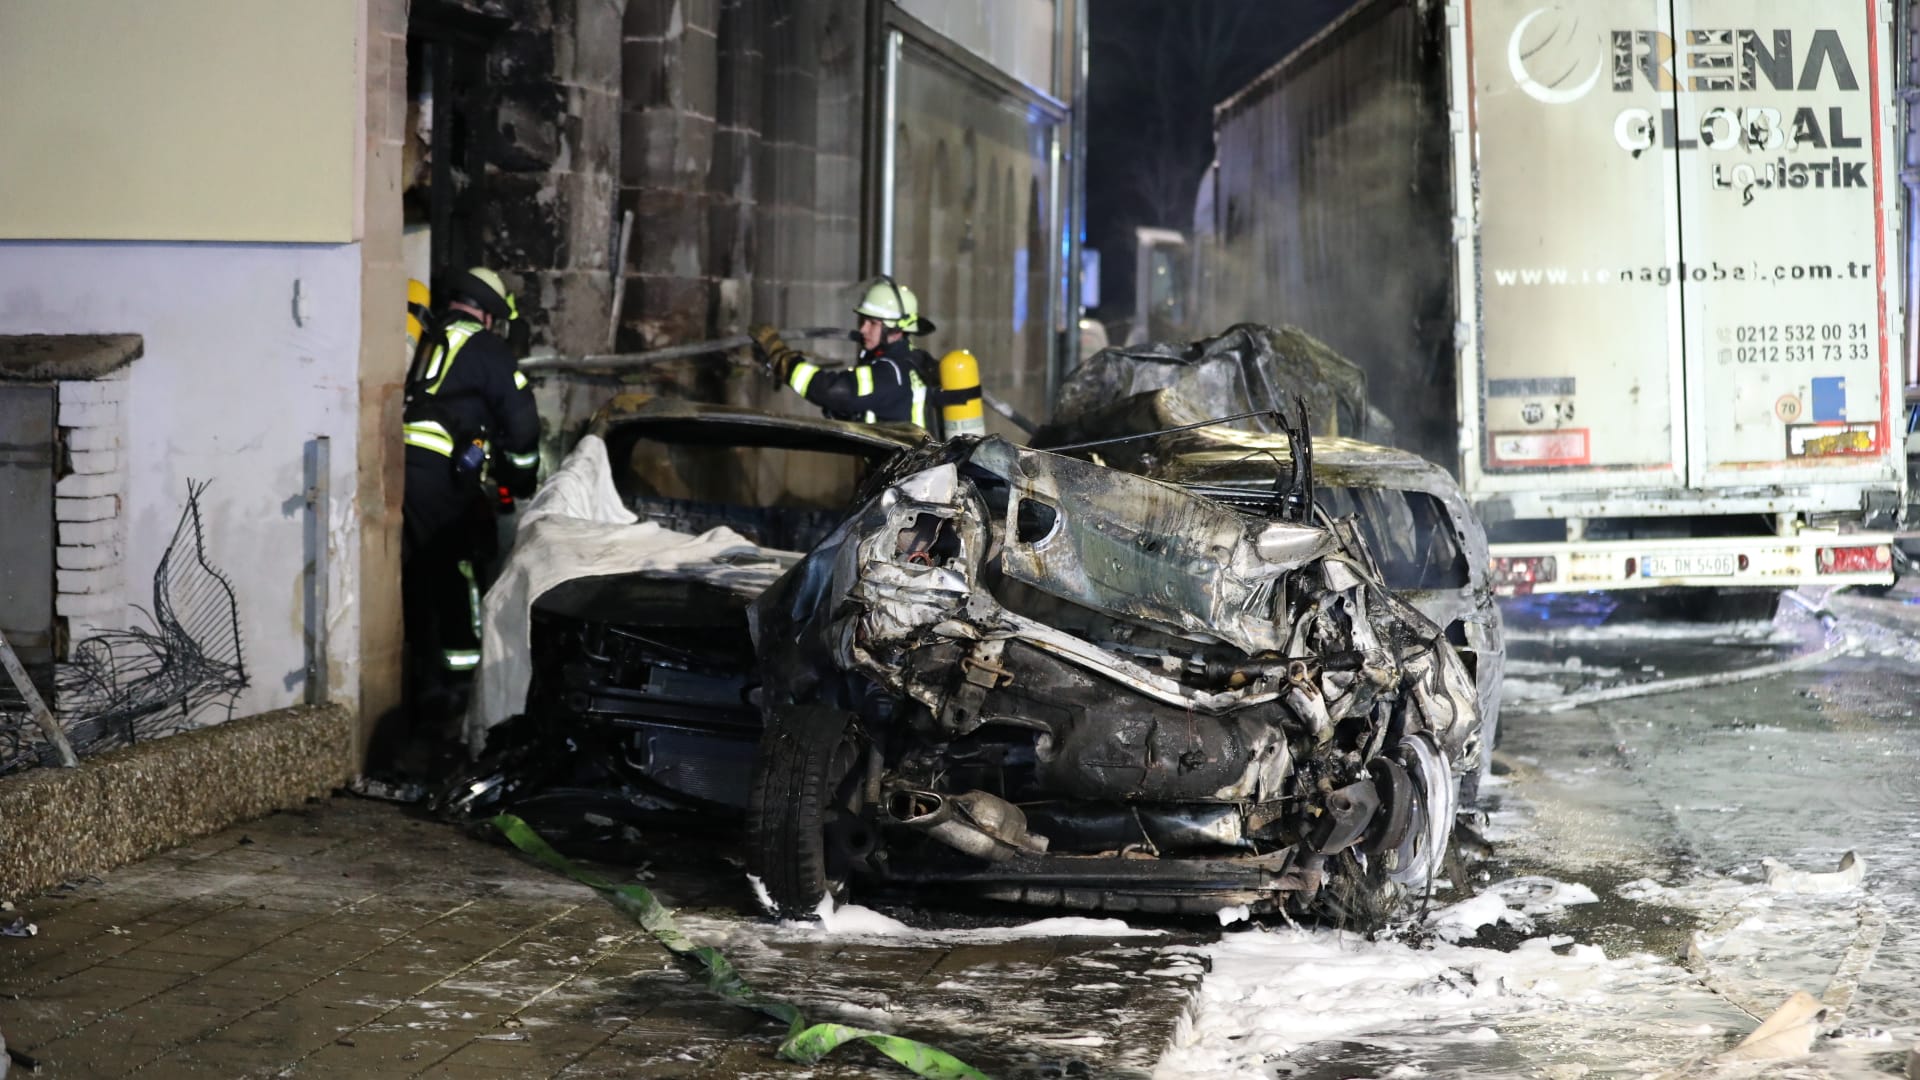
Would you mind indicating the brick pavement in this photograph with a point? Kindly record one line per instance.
(352, 939)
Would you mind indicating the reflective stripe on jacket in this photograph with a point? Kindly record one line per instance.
(470, 387)
(886, 386)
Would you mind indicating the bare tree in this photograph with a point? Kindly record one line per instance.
(1158, 68)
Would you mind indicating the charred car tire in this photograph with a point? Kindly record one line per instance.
(804, 831)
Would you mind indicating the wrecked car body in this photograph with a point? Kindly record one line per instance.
(1429, 545)
(1019, 676)
(1248, 368)
(618, 674)
(1049, 682)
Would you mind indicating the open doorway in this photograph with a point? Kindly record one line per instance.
(443, 164)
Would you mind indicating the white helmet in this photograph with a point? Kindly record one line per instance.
(893, 305)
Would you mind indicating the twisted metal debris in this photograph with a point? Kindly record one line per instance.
(122, 686)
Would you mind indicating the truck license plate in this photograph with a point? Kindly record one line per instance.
(1664, 566)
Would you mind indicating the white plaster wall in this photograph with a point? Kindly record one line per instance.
(238, 376)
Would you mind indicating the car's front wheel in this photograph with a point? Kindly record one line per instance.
(805, 830)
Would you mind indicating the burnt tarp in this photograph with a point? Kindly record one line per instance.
(1247, 368)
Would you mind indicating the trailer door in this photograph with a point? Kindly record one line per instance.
(1777, 145)
(1581, 322)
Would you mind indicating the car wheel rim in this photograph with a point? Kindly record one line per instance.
(1420, 853)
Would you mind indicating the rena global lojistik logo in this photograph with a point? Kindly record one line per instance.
(1555, 56)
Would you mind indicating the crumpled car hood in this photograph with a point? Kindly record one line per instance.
(1246, 368)
(1140, 582)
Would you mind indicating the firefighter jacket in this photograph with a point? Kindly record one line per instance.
(467, 388)
(891, 384)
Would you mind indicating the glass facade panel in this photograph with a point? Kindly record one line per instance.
(974, 219)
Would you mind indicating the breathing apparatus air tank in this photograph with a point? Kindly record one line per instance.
(960, 375)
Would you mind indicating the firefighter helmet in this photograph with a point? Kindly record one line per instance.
(483, 289)
(419, 302)
(893, 305)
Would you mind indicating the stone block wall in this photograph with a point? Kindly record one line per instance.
(741, 140)
(732, 131)
(548, 206)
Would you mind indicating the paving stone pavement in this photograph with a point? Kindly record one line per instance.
(354, 939)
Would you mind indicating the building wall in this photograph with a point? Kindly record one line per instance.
(976, 195)
(202, 173)
(251, 351)
(536, 95)
(549, 217)
(741, 141)
(742, 137)
(179, 119)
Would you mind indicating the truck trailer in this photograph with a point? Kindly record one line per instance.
(1631, 269)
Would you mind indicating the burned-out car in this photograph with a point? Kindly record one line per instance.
(1028, 677)
(1157, 410)
(1424, 536)
(1250, 372)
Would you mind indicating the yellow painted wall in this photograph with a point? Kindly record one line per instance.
(180, 119)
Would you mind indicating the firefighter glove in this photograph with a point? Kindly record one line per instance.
(766, 340)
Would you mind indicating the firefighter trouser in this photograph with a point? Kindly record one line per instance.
(447, 533)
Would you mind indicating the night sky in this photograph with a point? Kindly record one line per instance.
(1155, 69)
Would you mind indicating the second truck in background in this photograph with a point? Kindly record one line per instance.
(1632, 267)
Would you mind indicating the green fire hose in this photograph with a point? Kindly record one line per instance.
(805, 1043)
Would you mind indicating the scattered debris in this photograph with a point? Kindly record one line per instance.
(1783, 878)
(369, 788)
(1542, 895)
(36, 707)
(21, 1058)
(128, 685)
(1788, 1032)
(19, 927)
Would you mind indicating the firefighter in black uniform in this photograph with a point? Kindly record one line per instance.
(466, 400)
(892, 382)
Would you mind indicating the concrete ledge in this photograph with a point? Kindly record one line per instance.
(44, 357)
(57, 824)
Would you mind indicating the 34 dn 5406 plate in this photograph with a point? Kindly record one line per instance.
(1661, 566)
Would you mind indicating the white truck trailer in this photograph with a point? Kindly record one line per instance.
(1630, 266)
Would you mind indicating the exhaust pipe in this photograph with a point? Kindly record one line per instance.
(976, 823)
